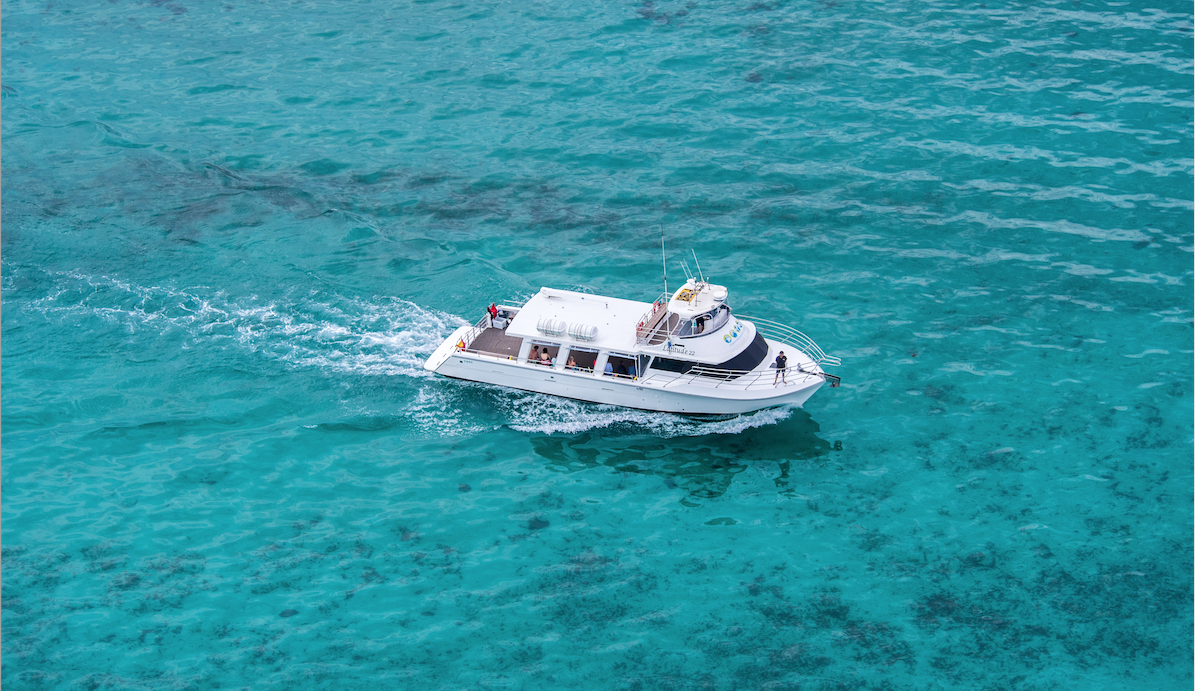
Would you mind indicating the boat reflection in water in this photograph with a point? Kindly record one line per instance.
(703, 466)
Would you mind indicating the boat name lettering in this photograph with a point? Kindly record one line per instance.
(679, 349)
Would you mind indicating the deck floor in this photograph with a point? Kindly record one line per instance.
(496, 341)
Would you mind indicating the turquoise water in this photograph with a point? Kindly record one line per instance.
(232, 232)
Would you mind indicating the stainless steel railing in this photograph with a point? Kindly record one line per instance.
(484, 323)
(471, 335)
(646, 330)
(793, 338)
(745, 379)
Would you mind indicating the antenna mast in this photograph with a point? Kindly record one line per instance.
(699, 274)
(663, 259)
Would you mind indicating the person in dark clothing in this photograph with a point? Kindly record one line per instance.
(781, 365)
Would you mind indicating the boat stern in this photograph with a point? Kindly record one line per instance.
(445, 349)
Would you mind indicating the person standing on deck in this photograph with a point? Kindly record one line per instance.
(781, 365)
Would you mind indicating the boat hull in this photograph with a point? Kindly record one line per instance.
(677, 395)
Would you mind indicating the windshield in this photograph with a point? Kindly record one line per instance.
(704, 324)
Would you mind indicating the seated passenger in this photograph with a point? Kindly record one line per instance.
(572, 364)
(545, 358)
(622, 369)
(534, 357)
(631, 370)
(609, 369)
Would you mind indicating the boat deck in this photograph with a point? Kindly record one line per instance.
(493, 340)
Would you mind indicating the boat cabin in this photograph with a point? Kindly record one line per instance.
(601, 336)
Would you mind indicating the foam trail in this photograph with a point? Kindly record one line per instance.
(390, 336)
(434, 411)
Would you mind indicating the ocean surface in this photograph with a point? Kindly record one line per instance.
(232, 231)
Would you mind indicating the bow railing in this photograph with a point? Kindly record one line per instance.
(791, 337)
(749, 379)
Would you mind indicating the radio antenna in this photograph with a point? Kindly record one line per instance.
(663, 259)
(699, 274)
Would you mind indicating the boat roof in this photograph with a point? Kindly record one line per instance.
(615, 319)
(696, 297)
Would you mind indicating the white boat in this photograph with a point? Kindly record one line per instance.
(684, 353)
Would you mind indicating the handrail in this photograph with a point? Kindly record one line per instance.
(616, 375)
(794, 338)
(469, 336)
(743, 378)
(777, 332)
(483, 324)
(642, 332)
(659, 329)
(500, 356)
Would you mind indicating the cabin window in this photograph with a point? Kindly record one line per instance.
(706, 323)
(747, 360)
(623, 366)
(538, 348)
(583, 359)
(669, 365)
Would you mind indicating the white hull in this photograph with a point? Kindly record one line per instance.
(665, 392)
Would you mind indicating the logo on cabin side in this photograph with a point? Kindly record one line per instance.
(734, 333)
